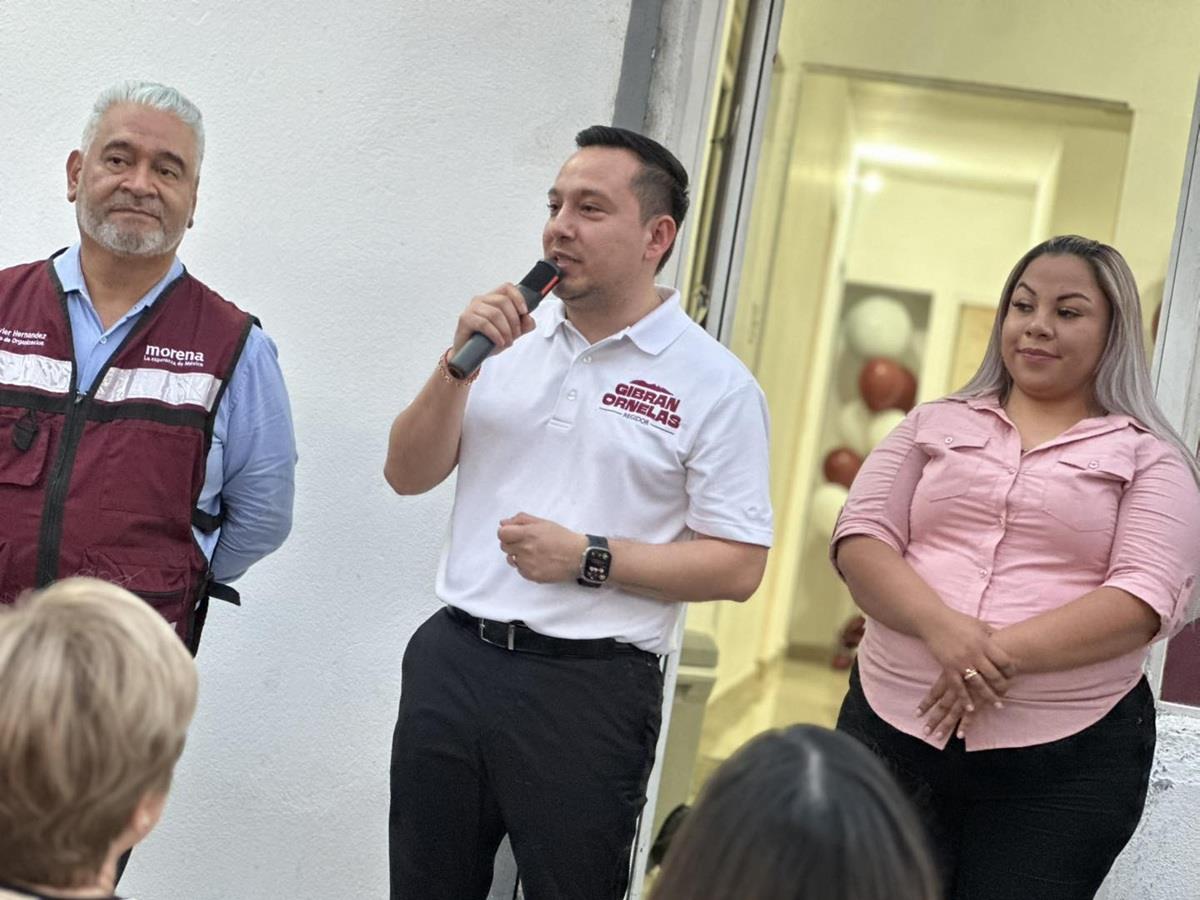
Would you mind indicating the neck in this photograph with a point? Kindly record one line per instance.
(597, 317)
(116, 283)
(1061, 412)
(101, 886)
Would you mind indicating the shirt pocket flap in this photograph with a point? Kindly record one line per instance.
(951, 438)
(1110, 467)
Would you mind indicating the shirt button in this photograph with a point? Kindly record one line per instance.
(1093, 464)
(983, 573)
(571, 395)
(1011, 470)
(949, 440)
(104, 340)
(587, 359)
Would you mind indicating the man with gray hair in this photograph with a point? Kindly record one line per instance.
(145, 432)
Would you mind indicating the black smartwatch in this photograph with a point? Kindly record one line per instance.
(595, 562)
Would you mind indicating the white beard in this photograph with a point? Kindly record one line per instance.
(123, 241)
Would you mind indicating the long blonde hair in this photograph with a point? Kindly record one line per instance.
(1122, 381)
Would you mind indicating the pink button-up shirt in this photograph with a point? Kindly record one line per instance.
(1004, 535)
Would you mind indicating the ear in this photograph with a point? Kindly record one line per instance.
(74, 167)
(195, 199)
(661, 231)
(141, 822)
(146, 814)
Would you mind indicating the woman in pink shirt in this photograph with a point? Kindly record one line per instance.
(1017, 547)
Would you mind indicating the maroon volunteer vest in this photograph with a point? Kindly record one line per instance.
(106, 483)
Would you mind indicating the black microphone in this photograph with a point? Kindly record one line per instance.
(533, 287)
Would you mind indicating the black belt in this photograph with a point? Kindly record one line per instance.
(520, 638)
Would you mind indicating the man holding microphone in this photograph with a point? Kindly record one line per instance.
(612, 465)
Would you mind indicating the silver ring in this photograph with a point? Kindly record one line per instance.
(969, 673)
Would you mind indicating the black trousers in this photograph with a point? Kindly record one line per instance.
(556, 752)
(1031, 823)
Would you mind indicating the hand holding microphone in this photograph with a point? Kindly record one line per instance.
(499, 318)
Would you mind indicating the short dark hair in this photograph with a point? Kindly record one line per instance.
(661, 185)
(800, 812)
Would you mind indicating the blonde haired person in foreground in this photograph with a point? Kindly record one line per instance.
(96, 693)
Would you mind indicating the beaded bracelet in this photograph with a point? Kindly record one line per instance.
(444, 368)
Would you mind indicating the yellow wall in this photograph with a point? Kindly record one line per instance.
(1140, 53)
(780, 303)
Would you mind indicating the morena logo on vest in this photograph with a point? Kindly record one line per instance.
(173, 356)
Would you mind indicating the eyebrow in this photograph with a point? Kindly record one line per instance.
(585, 193)
(1059, 297)
(162, 154)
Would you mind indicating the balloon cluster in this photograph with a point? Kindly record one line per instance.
(878, 330)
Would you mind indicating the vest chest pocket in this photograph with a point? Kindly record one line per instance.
(148, 471)
(24, 447)
(1083, 491)
(954, 459)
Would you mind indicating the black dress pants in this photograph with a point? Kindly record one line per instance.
(1031, 823)
(554, 751)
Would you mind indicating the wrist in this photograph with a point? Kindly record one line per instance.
(595, 561)
(449, 377)
(931, 624)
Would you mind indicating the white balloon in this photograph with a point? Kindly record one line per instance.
(853, 421)
(879, 326)
(882, 424)
(827, 501)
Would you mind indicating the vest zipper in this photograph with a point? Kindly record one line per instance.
(54, 508)
(50, 536)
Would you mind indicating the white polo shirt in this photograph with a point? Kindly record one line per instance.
(652, 434)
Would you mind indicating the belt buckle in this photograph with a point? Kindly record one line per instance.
(512, 630)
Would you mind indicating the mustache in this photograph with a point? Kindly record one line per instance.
(124, 200)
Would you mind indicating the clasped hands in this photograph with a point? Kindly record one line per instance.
(976, 672)
(541, 550)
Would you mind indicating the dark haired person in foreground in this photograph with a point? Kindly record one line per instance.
(96, 694)
(612, 465)
(802, 813)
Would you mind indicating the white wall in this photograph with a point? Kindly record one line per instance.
(370, 166)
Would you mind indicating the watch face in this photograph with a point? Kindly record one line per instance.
(596, 564)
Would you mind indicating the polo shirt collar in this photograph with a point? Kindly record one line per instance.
(70, 275)
(652, 333)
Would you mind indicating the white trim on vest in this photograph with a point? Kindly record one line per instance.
(171, 388)
(31, 370)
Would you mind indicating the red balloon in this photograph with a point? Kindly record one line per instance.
(885, 384)
(841, 465)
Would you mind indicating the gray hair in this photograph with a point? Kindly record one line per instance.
(1122, 381)
(152, 94)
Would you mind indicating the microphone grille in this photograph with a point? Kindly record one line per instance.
(542, 277)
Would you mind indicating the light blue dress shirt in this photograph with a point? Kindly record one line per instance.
(251, 464)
